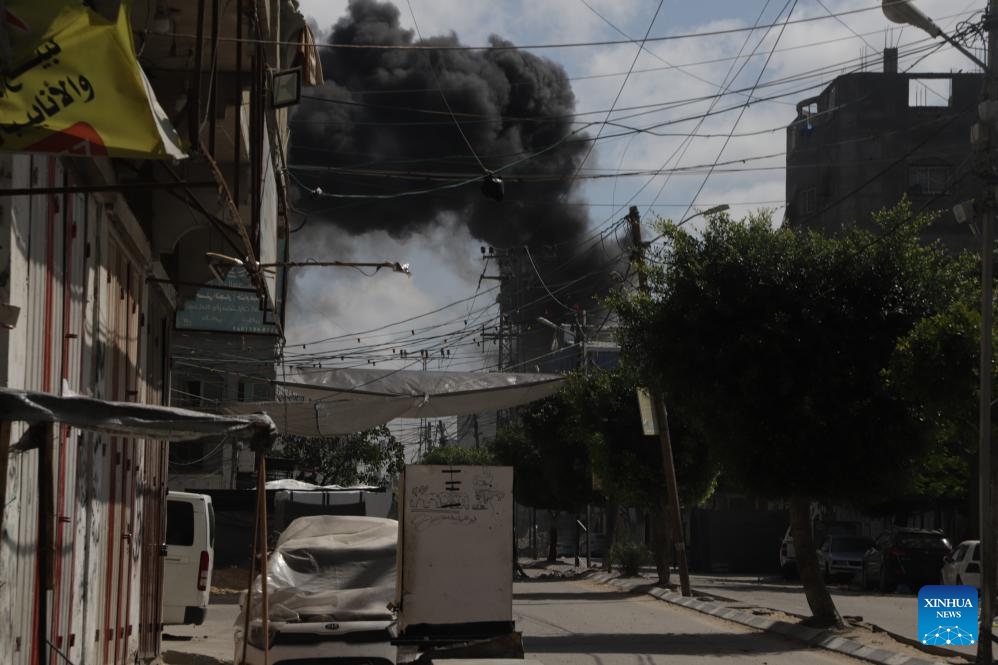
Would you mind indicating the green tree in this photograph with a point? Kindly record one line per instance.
(935, 367)
(550, 459)
(626, 463)
(774, 341)
(371, 457)
(454, 455)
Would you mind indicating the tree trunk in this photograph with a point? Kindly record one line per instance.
(661, 541)
(823, 611)
(553, 537)
(611, 532)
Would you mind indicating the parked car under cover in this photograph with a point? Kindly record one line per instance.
(842, 555)
(963, 566)
(330, 581)
(907, 556)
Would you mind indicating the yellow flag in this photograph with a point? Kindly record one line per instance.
(70, 83)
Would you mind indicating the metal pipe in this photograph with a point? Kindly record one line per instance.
(213, 91)
(237, 135)
(194, 110)
(91, 189)
(984, 445)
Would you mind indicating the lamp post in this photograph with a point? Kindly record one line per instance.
(658, 402)
(580, 339)
(902, 11)
(702, 213)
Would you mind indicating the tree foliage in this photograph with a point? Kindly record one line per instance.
(628, 463)
(371, 457)
(549, 456)
(935, 367)
(774, 343)
(455, 455)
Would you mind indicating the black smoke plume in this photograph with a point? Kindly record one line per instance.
(379, 126)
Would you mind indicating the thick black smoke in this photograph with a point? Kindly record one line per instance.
(380, 126)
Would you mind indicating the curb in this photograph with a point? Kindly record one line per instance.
(811, 636)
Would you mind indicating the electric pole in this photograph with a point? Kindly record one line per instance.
(662, 417)
(985, 472)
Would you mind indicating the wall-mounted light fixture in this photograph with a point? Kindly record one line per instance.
(162, 20)
(285, 87)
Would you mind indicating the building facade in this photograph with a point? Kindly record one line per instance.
(871, 138)
(97, 255)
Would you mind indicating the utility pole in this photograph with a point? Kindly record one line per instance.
(662, 416)
(982, 139)
(985, 475)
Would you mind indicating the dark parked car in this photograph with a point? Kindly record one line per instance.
(842, 555)
(911, 556)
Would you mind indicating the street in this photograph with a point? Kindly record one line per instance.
(581, 622)
(567, 622)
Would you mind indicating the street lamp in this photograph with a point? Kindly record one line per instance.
(580, 339)
(902, 11)
(702, 213)
(254, 267)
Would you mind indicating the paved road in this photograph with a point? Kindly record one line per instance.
(573, 623)
(207, 644)
(576, 623)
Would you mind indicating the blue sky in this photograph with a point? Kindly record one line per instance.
(446, 264)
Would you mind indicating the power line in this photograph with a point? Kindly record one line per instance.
(512, 47)
(742, 112)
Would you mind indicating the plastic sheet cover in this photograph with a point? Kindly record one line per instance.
(128, 418)
(331, 568)
(327, 402)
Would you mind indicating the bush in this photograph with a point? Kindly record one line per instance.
(628, 557)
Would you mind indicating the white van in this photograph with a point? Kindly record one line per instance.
(188, 559)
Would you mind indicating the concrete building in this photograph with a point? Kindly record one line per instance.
(870, 138)
(97, 255)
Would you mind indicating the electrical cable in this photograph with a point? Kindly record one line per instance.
(729, 79)
(620, 90)
(524, 47)
(845, 25)
(742, 112)
(440, 89)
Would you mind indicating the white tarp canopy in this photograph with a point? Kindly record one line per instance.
(329, 402)
(127, 418)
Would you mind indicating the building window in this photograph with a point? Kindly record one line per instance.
(253, 391)
(928, 180)
(930, 92)
(809, 201)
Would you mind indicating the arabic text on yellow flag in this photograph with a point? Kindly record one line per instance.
(70, 84)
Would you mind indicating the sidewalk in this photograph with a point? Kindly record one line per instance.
(859, 640)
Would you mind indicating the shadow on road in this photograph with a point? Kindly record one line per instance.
(593, 597)
(719, 588)
(182, 658)
(659, 643)
(587, 596)
(224, 599)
